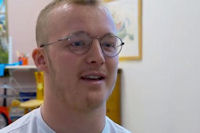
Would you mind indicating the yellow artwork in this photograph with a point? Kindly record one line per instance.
(128, 19)
(108, 0)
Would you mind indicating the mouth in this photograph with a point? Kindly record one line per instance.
(93, 77)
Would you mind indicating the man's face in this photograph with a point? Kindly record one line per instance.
(85, 81)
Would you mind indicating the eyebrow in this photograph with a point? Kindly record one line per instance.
(82, 31)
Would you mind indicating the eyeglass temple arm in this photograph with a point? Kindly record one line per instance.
(121, 44)
(46, 44)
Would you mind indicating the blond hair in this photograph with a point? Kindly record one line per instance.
(41, 26)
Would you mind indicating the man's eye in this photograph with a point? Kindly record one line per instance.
(78, 44)
(109, 45)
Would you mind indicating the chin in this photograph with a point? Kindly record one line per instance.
(96, 100)
(93, 105)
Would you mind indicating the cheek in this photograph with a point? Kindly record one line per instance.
(63, 59)
(112, 66)
(67, 67)
(66, 74)
(64, 65)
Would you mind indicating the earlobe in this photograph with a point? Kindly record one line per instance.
(39, 59)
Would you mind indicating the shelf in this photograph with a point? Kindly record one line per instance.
(27, 67)
(17, 87)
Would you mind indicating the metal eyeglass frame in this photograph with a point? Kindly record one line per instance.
(92, 38)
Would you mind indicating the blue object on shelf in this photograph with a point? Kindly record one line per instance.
(2, 67)
(25, 96)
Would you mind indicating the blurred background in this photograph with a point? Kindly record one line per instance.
(160, 92)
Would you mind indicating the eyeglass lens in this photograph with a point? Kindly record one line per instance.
(80, 42)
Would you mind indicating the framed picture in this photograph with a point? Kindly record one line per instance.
(3, 32)
(127, 15)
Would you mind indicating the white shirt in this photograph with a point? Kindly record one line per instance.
(34, 123)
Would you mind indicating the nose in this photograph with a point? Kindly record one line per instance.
(95, 55)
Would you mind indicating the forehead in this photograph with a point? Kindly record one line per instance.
(67, 18)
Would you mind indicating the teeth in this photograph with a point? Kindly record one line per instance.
(93, 77)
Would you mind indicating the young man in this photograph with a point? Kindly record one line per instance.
(78, 53)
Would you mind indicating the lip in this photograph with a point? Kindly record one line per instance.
(93, 73)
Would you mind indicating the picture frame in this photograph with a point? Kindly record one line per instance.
(127, 15)
(3, 32)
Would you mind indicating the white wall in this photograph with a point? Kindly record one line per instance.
(162, 92)
(22, 16)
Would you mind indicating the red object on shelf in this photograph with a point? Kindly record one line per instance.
(24, 60)
(4, 111)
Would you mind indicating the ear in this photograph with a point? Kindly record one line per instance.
(39, 59)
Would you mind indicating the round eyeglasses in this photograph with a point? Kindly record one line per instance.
(80, 43)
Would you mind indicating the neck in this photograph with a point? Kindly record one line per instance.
(61, 118)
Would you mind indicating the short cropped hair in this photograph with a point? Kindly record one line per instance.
(41, 26)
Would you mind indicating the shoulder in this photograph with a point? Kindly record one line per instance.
(113, 127)
(22, 124)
